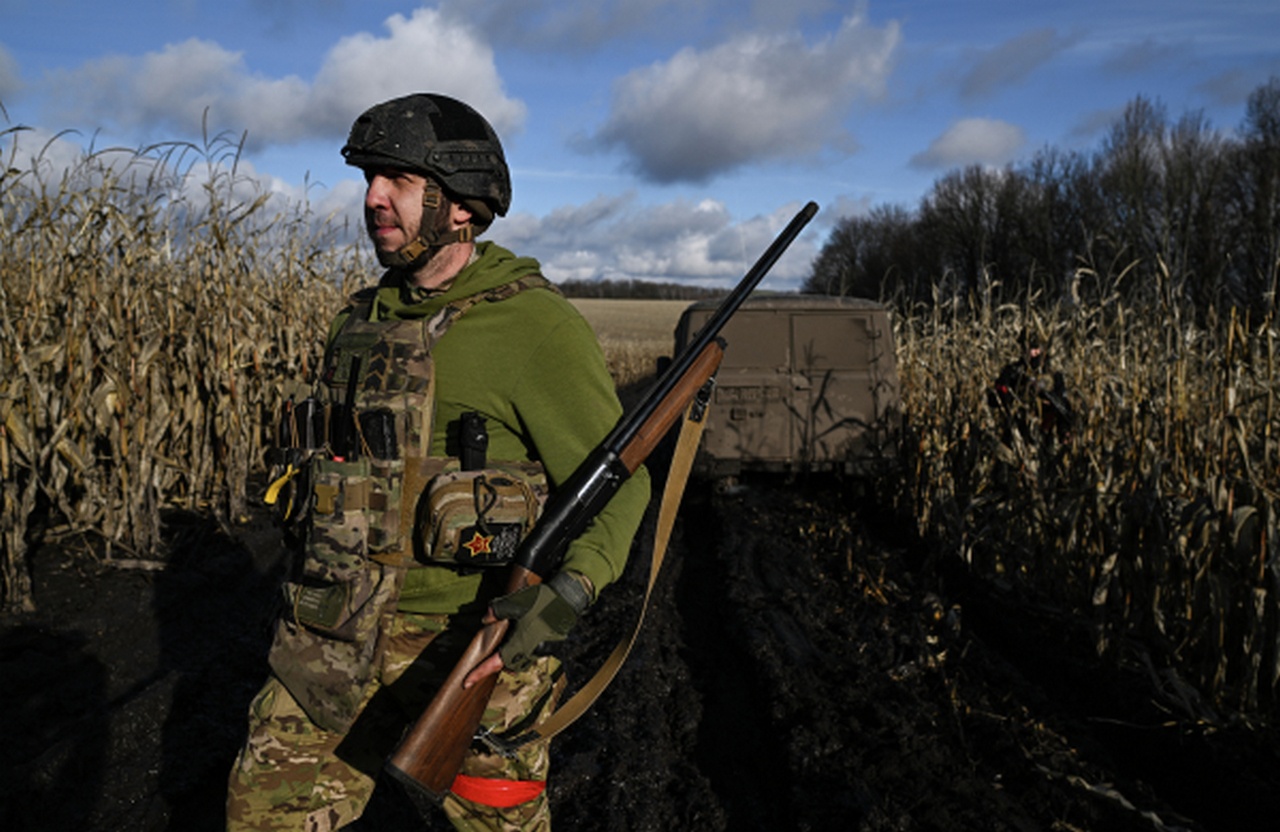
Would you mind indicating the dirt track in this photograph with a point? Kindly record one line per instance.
(800, 668)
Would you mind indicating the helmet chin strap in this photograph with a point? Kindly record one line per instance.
(429, 241)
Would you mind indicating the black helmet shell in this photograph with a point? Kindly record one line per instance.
(438, 136)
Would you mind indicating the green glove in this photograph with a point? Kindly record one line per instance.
(541, 613)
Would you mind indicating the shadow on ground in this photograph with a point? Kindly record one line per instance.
(802, 667)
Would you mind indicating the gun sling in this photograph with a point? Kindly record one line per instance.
(681, 464)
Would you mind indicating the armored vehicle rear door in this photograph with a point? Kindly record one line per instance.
(834, 360)
(752, 411)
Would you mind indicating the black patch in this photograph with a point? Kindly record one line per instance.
(454, 121)
(492, 545)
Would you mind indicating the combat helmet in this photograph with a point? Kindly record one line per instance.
(442, 138)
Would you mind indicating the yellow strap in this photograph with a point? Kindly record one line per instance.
(681, 465)
(273, 491)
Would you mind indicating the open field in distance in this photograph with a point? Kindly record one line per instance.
(632, 333)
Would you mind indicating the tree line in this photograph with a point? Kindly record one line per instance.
(636, 290)
(1173, 210)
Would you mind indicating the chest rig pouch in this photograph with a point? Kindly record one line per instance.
(349, 480)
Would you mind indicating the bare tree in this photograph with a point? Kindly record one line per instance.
(1254, 201)
(868, 256)
(1171, 212)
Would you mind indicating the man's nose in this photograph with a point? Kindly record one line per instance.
(375, 194)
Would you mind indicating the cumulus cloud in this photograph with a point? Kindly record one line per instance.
(615, 238)
(1011, 61)
(173, 89)
(972, 141)
(48, 154)
(753, 98)
(609, 237)
(181, 190)
(845, 205)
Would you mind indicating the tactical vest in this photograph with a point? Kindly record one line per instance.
(361, 499)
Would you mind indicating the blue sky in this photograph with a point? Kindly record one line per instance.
(652, 139)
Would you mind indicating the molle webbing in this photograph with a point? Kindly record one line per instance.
(395, 358)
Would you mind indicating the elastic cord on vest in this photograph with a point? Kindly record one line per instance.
(500, 794)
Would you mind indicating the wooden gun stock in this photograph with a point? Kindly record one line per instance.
(431, 753)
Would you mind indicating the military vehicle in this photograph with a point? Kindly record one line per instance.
(808, 383)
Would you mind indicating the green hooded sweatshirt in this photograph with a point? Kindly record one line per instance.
(533, 367)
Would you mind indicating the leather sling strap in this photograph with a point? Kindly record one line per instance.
(681, 464)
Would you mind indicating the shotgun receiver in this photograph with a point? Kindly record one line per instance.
(431, 753)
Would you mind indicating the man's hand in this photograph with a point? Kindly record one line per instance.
(538, 614)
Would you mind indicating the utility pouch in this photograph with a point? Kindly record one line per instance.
(328, 669)
(479, 518)
(327, 642)
(307, 431)
(355, 512)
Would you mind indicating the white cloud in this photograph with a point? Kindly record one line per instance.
(1094, 123)
(753, 98)
(610, 237)
(172, 182)
(426, 52)
(48, 154)
(846, 205)
(613, 238)
(973, 141)
(173, 89)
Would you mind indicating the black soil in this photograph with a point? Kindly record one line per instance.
(802, 667)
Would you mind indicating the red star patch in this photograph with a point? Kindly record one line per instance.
(479, 544)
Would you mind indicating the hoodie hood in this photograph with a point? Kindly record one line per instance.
(492, 266)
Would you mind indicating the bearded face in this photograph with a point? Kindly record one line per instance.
(400, 208)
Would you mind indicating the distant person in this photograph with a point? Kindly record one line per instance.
(463, 355)
(1031, 396)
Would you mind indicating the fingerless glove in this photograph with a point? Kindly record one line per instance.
(539, 614)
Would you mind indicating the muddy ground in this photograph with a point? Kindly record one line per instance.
(803, 666)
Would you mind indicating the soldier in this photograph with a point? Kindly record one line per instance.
(1027, 389)
(461, 349)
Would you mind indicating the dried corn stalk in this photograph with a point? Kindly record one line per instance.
(150, 316)
(1156, 524)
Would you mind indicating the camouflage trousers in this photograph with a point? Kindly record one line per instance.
(293, 775)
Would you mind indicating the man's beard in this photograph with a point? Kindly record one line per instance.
(397, 259)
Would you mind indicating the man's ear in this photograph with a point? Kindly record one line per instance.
(459, 215)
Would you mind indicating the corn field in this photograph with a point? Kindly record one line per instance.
(1155, 524)
(155, 309)
(150, 315)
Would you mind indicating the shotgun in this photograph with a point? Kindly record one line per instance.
(431, 753)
